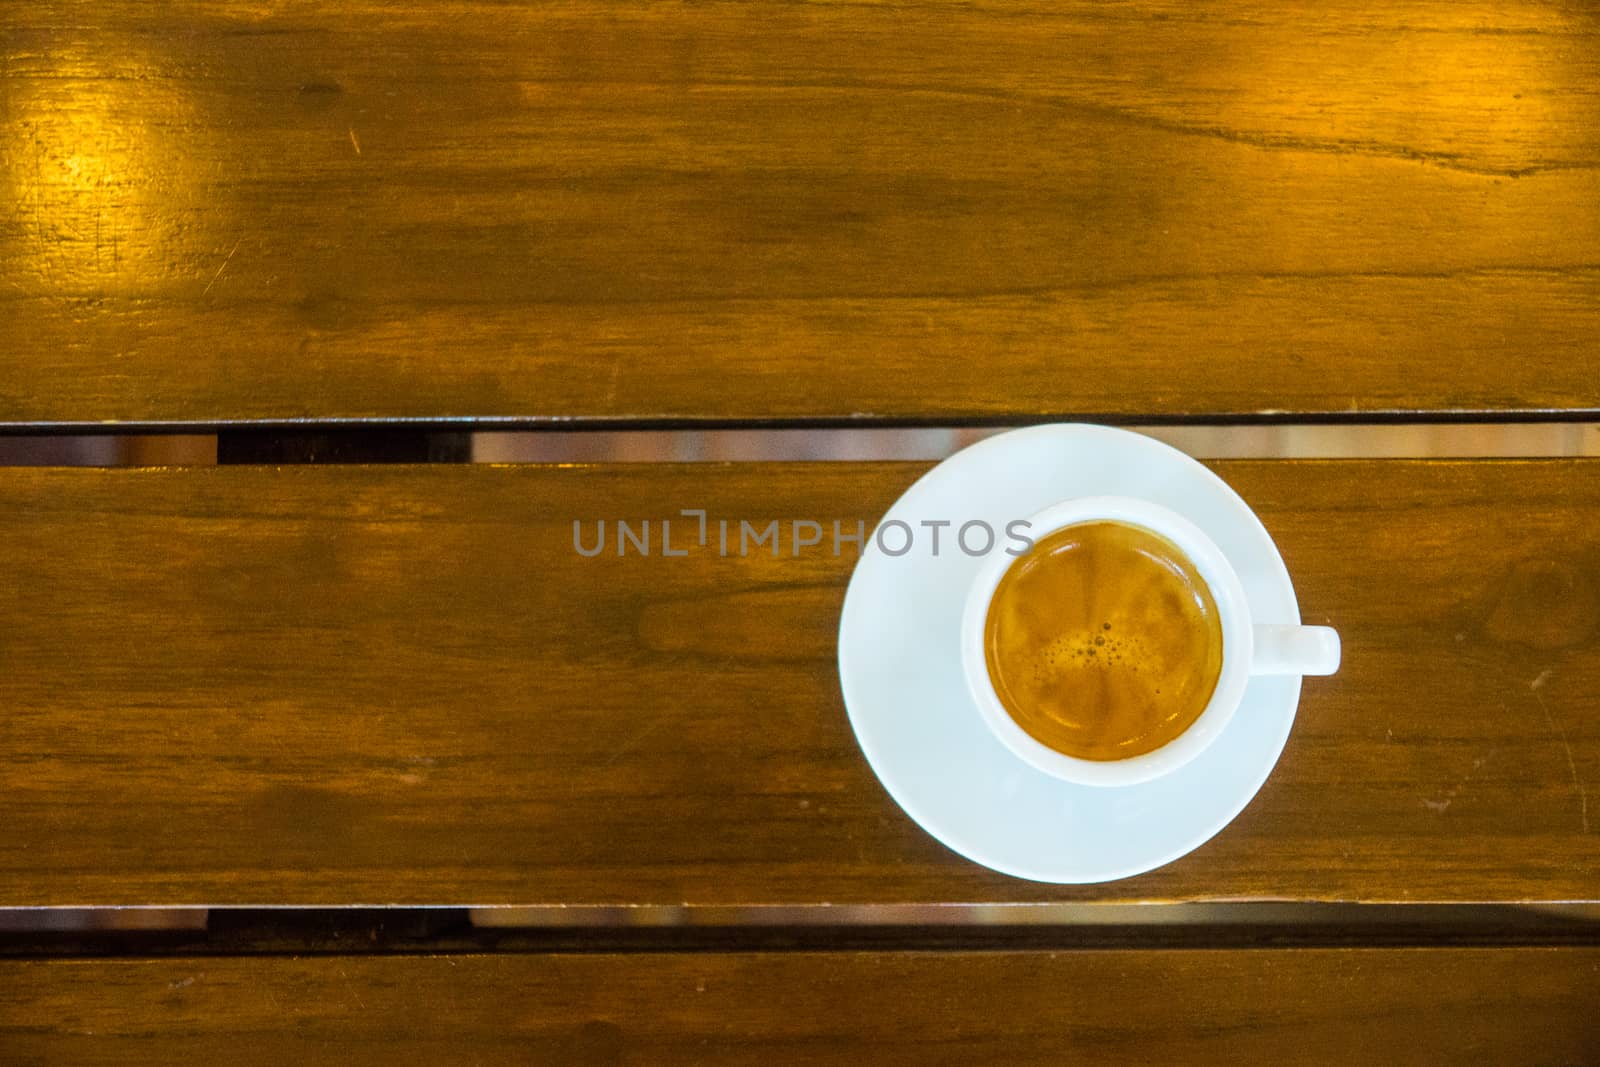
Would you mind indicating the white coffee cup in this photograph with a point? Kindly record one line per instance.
(1248, 648)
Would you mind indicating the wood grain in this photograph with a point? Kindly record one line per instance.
(1400, 1006)
(401, 685)
(688, 212)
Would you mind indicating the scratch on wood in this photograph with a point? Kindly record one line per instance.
(1440, 806)
(1566, 746)
(611, 387)
(222, 268)
(637, 739)
(355, 142)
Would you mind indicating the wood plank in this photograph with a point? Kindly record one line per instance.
(387, 685)
(1527, 1005)
(367, 685)
(910, 210)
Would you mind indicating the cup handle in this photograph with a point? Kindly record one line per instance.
(1295, 650)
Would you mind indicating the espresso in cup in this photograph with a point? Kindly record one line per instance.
(1103, 641)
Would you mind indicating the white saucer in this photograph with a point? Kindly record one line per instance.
(900, 666)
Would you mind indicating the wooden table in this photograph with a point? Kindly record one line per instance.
(389, 692)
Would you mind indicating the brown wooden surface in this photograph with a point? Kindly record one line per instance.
(347, 685)
(913, 209)
(1392, 1006)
